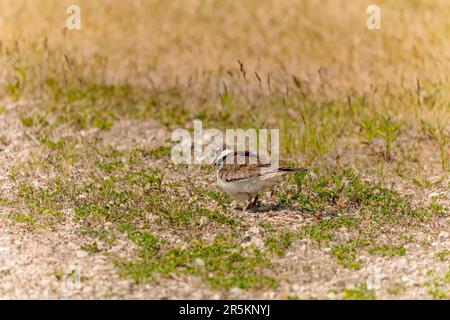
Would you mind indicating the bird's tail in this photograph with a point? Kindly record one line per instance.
(276, 175)
(285, 169)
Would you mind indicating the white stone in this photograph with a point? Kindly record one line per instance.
(254, 230)
(235, 291)
(81, 253)
(203, 221)
(295, 287)
(199, 262)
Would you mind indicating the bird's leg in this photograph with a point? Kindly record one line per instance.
(251, 203)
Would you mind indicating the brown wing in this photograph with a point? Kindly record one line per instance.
(241, 166)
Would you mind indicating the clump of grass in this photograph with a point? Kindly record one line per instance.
(396, 289)
(35, 119)
(91, 247)
(191, 216)
(42, 205)
(225, 96)
(388, 251)
(119, 197)
(346, 254)
(160, 151)
(436, 285)
(324, 230)
(280, 242)
(382, 204)
(100, 233)
(110, 165)
(384, 128)
(122, 190)
(267, 226)
(16, 86)
(87, 106)
(174, 113)
(345, 189)
(18, 217)
(362, 207)
(218, 196)
(360, 292)
(443, 255)
(313, 194)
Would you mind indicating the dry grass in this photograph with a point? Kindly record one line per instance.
(302, 53)
(205, 38)
(297, 36)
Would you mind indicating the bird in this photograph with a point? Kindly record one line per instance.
(243, 175)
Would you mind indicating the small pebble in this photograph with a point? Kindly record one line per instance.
(443, 234)
(81, 253)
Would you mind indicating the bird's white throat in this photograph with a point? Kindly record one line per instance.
(223, 154)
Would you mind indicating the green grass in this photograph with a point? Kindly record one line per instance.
(443, 255)
(388, 251)
(441, 136)
(91, 247)
(267, 226)
(324, 230)
(160, 151)
(359, 293)
(436, 285)
(384, 128)
(3, 109)
(18, 217)
(396, 289)
(347, 254)
(41, 204)
(280, 242)
(222, 263)
(218, 196)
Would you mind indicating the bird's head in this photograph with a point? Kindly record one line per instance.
(221, 154)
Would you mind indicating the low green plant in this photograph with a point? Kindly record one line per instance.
(384, 128)
(388, 251)
(16, 86)
(360, 292)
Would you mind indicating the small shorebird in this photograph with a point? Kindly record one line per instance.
(242, 175)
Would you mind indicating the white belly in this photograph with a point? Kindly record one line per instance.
(245, 189)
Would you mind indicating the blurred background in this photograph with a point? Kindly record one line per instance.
(184, 38)
(311, 68)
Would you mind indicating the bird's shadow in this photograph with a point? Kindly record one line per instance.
(271, 207)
